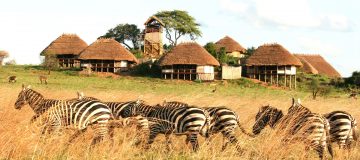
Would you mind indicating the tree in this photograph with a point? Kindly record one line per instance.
(211, 48)
(220, 54)
(354, 80)
(50, 62)
(317, 88)
(10, 62)
(250, 51)
(179, 23)
(123, 33)
(3, 55)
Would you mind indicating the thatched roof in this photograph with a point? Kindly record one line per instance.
(65, 44)
(188, 53)
(152, 18)
(107, 49)
(316, 64)
(272, 54)
(229, 44)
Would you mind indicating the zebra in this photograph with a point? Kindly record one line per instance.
(222, 120)
(311, 128)
(343, 128)
(189, 121)
(77, 114)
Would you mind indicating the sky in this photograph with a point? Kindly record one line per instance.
(326, 27)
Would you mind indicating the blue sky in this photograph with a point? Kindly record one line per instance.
(325, 27)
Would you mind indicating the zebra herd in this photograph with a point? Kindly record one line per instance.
(178, 118)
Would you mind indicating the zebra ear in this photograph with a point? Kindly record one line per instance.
(298, 101)
(28, 87)
(23, 86)
(80, 94)
(293, 101)
(164, 102)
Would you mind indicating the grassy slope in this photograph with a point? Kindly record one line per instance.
(23, 143)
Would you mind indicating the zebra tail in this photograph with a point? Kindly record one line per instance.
(328, 141)
(244, 131)
(205, 129)
(355, 134)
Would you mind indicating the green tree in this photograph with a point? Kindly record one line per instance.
(177, 24)
(3, 55)
(123, 33)
(250, 51)
(50, 62)
(354, 80)
(211, 48)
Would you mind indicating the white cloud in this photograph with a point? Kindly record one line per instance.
(284, 14)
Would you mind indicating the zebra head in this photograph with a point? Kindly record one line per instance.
(22, 97)
(267, 115)
(295, 105)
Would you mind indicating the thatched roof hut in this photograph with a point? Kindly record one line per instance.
(107, 49)
(230, 45)
(316, 64)
(188, 61)
(66, 44)
(272, 55)
(188, 53)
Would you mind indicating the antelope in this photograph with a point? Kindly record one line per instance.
(43, 79)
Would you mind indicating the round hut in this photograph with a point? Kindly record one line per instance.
(65, 48)
(232, 47)
(316, 64)
(188, 61)
(274, 64)
(107, 55)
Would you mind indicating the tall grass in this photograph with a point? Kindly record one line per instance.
(19, 140)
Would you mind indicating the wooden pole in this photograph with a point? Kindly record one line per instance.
(265, 74)
(295, 81)
(277, 75)
(285, 75)
(290, 85)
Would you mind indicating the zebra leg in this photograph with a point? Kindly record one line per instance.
(168, 142)
(194, 142)
(75, 135)
(152, 136)
(320, 151)
(232, 139)
(101, 130)
(225, 143)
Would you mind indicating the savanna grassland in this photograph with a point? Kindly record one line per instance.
(20, 140)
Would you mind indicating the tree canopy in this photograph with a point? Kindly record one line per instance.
(177, 24)
(123, 33)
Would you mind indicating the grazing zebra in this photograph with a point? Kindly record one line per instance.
(342, 128)
(189, 121)
(78, 115)
(222, 119)
(311, 128)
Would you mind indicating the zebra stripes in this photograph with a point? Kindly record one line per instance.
(342, 128)
(189, 121)
(73, 114)
(311, 128)
(221, 120)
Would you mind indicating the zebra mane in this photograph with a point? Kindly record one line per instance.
(29, 90)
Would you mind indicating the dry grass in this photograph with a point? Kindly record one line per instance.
(21, 141)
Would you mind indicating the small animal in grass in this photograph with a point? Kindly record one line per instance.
(12, 79)
(43, 79)
(353, 95)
